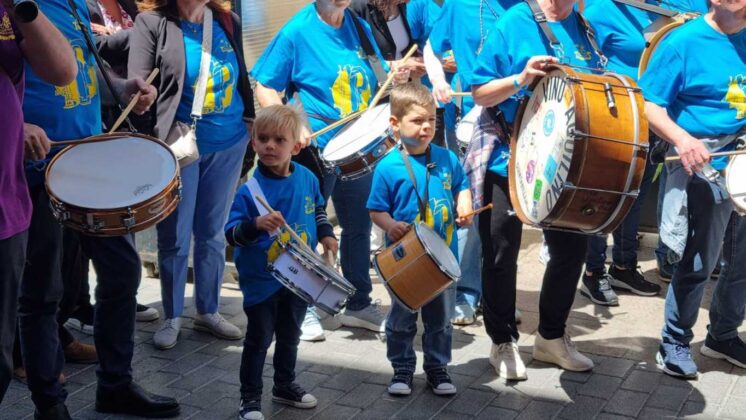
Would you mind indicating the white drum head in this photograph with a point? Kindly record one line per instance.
(111, 174)
(368, 128)
(439, 250)
(736, 182)
(467, 125)
(544, 146)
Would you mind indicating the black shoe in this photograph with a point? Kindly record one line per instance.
(250, 409)
(146, 313)
(596, 288)
(440, 382)
(55, 412)
(733, 350)
(293, 395)
(632, 280)
(401, 383)
(132, 399)
(716, 272)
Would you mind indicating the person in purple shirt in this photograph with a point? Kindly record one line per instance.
(32, 37)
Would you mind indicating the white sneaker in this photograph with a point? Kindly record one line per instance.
(562, 352)
(463, 314)
(311, 328)
(218, 326)
(76, 324)
(544, 256)
(165, 337)
(507, 361)
(371, 317)
(328, 322)
(146, 313)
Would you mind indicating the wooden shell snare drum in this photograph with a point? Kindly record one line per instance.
(117, 184)
(578, 152)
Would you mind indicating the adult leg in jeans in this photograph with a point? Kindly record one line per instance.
(438, 333)
(707, 224)
(560, 281)
(41, 292)
(729, 297)
(500, 232)
(12, 259)
(469, 286)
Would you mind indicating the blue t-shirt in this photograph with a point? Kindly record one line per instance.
(515, 40)
(699, 74)
(222, 123)
(460, 28)
(392, 190)
(296, 197)
(619, 31)
(325, 65)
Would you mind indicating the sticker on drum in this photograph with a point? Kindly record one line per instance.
(736, 182)
(545, 146)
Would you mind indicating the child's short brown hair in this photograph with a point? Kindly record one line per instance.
(274, 118)
(405, 95)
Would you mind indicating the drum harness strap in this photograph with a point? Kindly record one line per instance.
(423, 204)
(648, 7)
(370, 52)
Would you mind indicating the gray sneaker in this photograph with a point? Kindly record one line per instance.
(371, 318)
(218, 326)
(166, 336)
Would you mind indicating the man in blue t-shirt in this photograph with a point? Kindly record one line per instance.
(73, 111)
(515, 54)
(695, 94)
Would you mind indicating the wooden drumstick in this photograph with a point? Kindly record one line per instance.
(79, 141)
(132, 103)
(715, 154)
(285, 226)
(329, 258)
(385, 85)
(460, 93)
(477, 211)
(336, 124)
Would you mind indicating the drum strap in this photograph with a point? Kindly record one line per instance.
(554, 43)
(368, 49)
(256, 191)
(428, 165)
(648, 7)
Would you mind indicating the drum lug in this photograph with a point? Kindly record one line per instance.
(94, 225)
(129, 221)
(60, 212)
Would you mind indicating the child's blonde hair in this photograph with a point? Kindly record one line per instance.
(275, 118)
(405, 95)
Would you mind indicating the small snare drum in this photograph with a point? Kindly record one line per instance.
(306, 275)
(735, 180)
(119, 183)
(418, 267)
(355, 151)
(466, 127)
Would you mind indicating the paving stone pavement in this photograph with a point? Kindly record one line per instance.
(348, 372)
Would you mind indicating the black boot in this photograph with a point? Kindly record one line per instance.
(55, 412)
(132, 399)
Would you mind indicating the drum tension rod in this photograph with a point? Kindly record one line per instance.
(613, 85)
(577, 133)
(571, 186)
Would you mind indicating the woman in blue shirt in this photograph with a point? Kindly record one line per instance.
(168, 35)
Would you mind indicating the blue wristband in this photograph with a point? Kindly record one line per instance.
(516, 84)
(522, 91)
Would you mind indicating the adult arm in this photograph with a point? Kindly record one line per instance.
(694, 154)
(46, 50)
(498, 90)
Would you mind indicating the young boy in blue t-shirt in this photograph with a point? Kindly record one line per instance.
(394, 204)
(292, 191)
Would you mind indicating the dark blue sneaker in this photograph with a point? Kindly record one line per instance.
(675, 359)
(733, 350)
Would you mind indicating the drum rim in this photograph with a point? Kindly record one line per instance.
(660, 34)
(363, 150)
(300, 254)
(418, 227)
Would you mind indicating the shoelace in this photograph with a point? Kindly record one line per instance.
(506, 349)
(682, 352)
(170, 323)
(295, 389)
(402, 376)
(603, 283)
(568, 341)
(439, 376)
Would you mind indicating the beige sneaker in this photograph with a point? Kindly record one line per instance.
(507, 361)
(561, 352)
(167, 334)
(218, 326)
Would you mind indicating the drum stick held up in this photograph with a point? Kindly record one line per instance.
(716, 154)
(479, 210)
(460, 93)
(285, 226)
(132, 103)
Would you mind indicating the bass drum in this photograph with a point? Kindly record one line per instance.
(578, 151)
(655, 33)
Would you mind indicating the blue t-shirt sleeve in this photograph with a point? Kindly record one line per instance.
(492, 63)
(440, 36)
(664, 77)
(460, 180)
(380, 195)
(274, 68)
(417, 20)
(241, 209)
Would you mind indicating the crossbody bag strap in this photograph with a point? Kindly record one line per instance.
(423, 203)
(204, 67)
(370, 52)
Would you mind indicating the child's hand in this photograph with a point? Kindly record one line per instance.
(270, 222)
(397, 231)
(465, 209)
(330, 244)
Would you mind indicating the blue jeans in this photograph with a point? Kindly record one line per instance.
(469, 286)
(350, 198)
(12, 260)
(707, 225)
(208, 186)
(401, 329)
(729, 298)
(624, 251)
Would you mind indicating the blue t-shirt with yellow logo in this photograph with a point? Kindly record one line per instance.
(515, 40)
(222, 123)
(392, 190)
(326, 66)
(699, 74)
(296, 197)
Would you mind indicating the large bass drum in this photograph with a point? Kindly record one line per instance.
(578, 152)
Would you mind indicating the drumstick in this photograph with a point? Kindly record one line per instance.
(730, 153)
(477, 211)
(385, 85)
(285, 226)
(329, 258)
(132, 103)
(460, 93)
(79, 141)
(336, 124)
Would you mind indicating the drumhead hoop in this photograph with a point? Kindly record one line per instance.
(658, 36)
(372, 125)
(438, 250)
(314, 261)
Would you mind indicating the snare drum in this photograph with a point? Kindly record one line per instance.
(114, 187)
(655, 33)
(418, 267)
(305, 274)
(467, 125)
(735, 180)
(579, 151)
(355, 151)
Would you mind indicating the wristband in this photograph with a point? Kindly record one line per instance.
(522, 91)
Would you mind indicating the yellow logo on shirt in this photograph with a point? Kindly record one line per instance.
(310, 206)
(351, 90)
(219, 90)
(582, 53)
(84, 88)
(736, 96)
(6, 30)
(441, 211)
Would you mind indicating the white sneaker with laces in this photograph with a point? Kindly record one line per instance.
(168, 332)
(218, 326)
(463, 314)
(371, 317)
(506, 359)
(561, 352)
(311, 328)
(146, 313)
